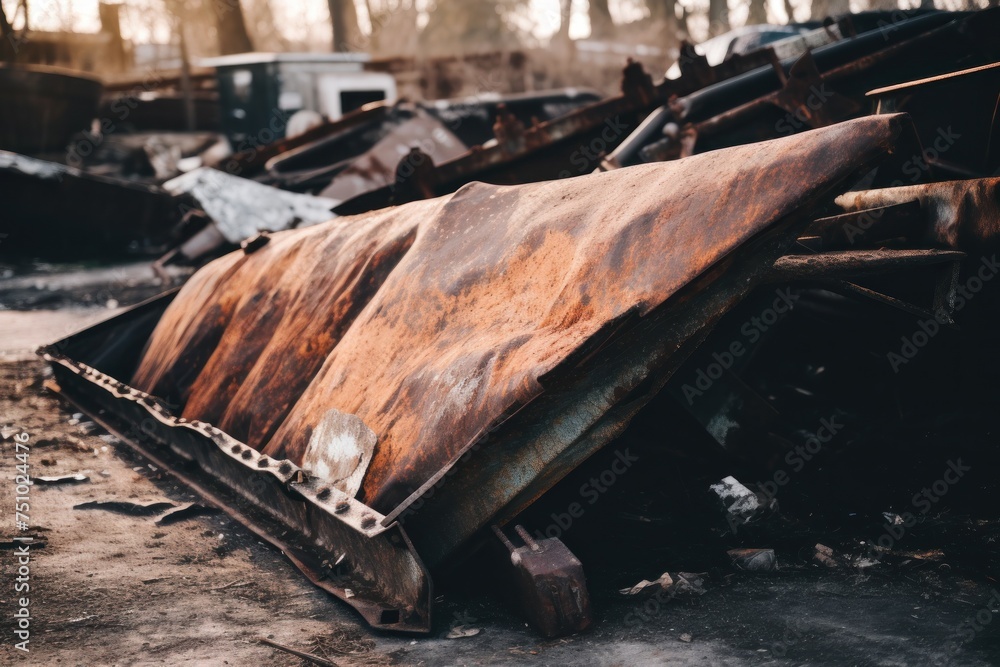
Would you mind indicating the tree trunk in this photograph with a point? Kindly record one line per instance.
(665, 11)
(565, 14)
(790, 11)
(758, 12)
(231, 27)
(7, 39)
(601, 25)
(23, 4)
(718, 17)
(345, 24)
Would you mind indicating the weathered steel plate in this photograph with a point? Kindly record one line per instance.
(476, 347)
(432, 321)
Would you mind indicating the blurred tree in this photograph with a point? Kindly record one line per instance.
(790, 11)
(666, 11)
(601, 25)
(392, 27)
(7, 39)
(460, 26)
(757, 13)
(718, 17)
(565, 14)
(344, 17)
(231, 27)
(820, 9)
(264, 33)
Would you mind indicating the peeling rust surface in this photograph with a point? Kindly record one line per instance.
(432, 321)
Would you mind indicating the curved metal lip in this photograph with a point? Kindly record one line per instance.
(304, 503)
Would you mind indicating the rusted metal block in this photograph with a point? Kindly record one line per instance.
(548, 584)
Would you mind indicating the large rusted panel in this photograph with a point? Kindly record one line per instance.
(432, 321)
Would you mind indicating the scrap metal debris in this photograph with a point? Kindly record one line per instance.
(462, 631)
(189, 511)
(122, 507)
(663, 582)
(379, 393)
(65, 211)
(824, 556)
(240, 208)
(459, 328)
(741, 504)
(55, 480)
(753, 560)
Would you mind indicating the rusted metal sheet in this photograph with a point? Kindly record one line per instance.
(476, 347)
(251, 159)
(443, 129)
(437, 320)
(338, 543)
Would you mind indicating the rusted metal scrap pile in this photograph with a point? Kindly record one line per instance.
(382, 393)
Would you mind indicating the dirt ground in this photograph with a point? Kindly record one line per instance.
(114, 589)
